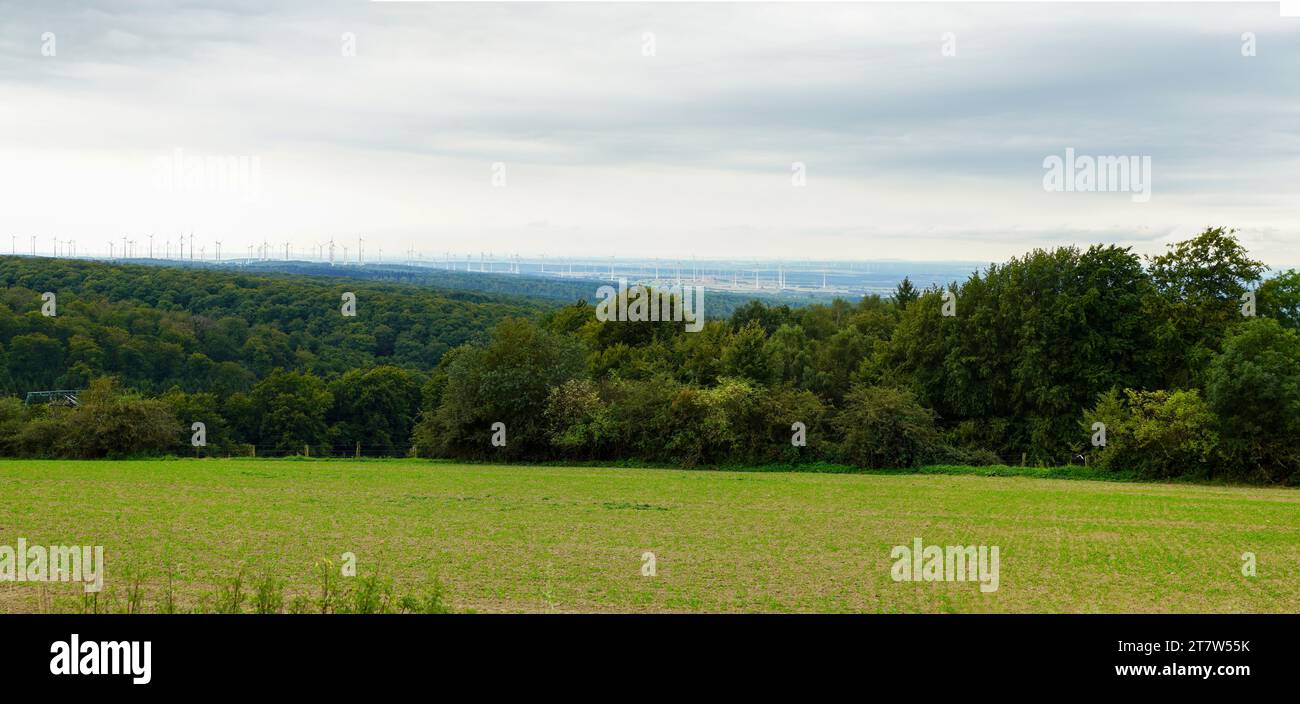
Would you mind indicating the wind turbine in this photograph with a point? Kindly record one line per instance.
(218, 243)
(331, 251)
(360, 257)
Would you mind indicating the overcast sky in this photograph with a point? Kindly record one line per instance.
(908, 153)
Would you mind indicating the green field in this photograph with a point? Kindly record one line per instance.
(543, 539)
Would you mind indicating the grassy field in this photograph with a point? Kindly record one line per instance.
(571, 539)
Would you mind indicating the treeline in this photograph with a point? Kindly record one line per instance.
(1189, 361)
(1185, 364)
(287, 413)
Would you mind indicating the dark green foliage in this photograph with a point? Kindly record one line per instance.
(375, 407)
(1201, 282)
(202, 407)
(288, 409)
(1033, 341)
(767, 317)
(505, 379)
(1254, 387)
(745, 356)
(882, 427)
(905, 294)
(1279, 299)
(219, 330)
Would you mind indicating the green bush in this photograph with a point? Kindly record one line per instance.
(507, 379)
(767, 438)
(1254, 387)
(110, 422)
(979, 442)
(579, 423)
(882, 427)
(13, 418)
(1158, 434)
(642, 412)
(701, 422)
(966, 456)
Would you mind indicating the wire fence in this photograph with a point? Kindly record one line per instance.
(355, 450)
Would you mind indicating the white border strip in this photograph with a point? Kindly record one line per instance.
(1286, 8)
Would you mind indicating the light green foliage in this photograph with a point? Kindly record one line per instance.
(579, 422)
(1158, 434)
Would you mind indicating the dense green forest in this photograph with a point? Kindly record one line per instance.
(214, 343)
(219, 330)
(1182, 364)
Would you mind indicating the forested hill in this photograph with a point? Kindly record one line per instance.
(218, 329)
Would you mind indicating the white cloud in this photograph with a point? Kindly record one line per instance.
(910, 154)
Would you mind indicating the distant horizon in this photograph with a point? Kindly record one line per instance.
(298, 253)
(789, 279)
